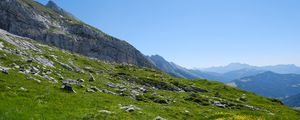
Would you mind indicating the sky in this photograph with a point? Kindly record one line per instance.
(200, 33)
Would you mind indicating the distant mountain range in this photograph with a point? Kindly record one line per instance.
(270, 84)
(282, 69)
(223, 74)
(292, 101)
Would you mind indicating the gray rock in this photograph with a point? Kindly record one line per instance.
(111, 85)
(243, 98)
(66, 66)
(81, 80)
(219, 104)
(70, 81)
(68, 88)
(44, 61)
(60, 76)
(1, 45)
(94, 89)
(159, 118)
(90, 90)
(105, 111)
(4, 70)
(23, 89)
(50, 78)
(34, 70)
(129, 108)
(108, 92)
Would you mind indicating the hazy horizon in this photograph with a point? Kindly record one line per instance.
(200, 34)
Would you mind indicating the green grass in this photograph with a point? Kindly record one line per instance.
(46, 100)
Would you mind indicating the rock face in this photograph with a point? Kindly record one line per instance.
(52, 25)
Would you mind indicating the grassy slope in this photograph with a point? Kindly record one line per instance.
(46, 100)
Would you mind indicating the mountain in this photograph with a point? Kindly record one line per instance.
(237, 74)
(270, 84)
(178, 71)
(292, 101)
(171, 68)
(281, 69)
(52, 25)
(39, 81)
(228, 68)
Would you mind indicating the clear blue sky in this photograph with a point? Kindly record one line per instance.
(200, 33)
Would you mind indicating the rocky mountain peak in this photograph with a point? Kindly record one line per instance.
(53, 5)
(52, 25)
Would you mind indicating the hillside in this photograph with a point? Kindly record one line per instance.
(292, 101)
(270, 84)
(43, 82)
(51, 25)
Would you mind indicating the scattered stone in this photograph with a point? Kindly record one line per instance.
(70, 81)
(1, 45)
(23, 89)
(4, 70)
(92, 78)
(186, 111)
(105, 111)
(159, 118)
(271, 113)
(78, 70)
(44, 61)
(49, 78)
(81, 80)
(68, 88)
(66, 66)
(251, 107)
(219, 104)
(34, 70)
(129, 108)
(48, 72)
(111, 85)
(89, 69)
(108, 92)
(90, 90)
(60, 76)
(243, 98)
(32, 78)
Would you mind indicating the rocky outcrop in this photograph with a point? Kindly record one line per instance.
(52, 25)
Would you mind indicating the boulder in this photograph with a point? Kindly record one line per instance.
(44, 61)
(68, 88)
(81, 80)
(219, 104)
(4, 70)
(129, 108)
(66, 66)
